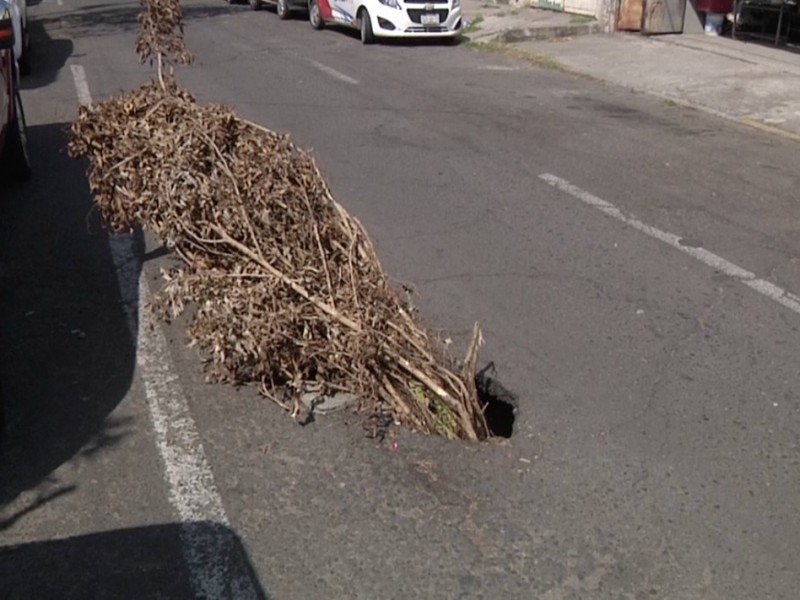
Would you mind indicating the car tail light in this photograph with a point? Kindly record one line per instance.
(6, 30)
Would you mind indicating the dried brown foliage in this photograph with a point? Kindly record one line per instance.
(160, 36)
(285, 285)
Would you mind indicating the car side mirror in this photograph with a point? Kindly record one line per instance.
(6, 29)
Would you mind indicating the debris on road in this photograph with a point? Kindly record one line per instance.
(286, 289)
(322, 404)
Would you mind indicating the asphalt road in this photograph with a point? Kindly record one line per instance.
(655, 449)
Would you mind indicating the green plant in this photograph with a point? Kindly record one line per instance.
(581, 19)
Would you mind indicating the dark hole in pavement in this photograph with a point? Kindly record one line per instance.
(499, 404)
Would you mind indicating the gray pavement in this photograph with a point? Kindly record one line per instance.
(655, 452)
(494, 22)
(751, 83)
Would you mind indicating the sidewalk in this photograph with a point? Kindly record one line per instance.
(498, 22)
(743, 81)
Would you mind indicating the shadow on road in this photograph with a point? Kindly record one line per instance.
(48, 56)
(139, 563)
(112, 19)
(66, 349)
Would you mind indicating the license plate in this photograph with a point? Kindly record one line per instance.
(430, 19)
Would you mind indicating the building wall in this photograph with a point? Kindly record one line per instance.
(607, 14)
(592, 8)
(547, 4)
(582, 7)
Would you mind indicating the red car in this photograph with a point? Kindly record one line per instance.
(15, 163)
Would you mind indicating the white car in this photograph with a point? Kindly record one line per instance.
(390, 18)
(22, 43)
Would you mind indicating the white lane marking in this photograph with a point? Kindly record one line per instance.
(60, 2)
(207, 542)
(748, 278)
(81, 85)
(497, 68)
(333, 72)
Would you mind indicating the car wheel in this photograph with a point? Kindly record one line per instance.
(282, 9)
(314, 16)
(367, 37)
(16, 161)
(254, 4)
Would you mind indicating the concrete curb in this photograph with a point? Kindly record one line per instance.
(525, 34)
(743, 121)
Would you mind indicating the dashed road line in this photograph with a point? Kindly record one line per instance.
(333, 72)
(81, 85)
(207, 542)
(498, 68)
(748, 278)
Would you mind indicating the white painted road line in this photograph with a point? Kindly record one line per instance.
(333, 72)
(498, 68)
(81, 85)
(762, 286)
(206, 538)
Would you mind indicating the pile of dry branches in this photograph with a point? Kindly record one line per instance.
(285, 287)
(160, 37)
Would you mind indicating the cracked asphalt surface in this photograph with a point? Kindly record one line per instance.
(655, 452)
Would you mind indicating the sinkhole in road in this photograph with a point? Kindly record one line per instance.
(498, 403)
